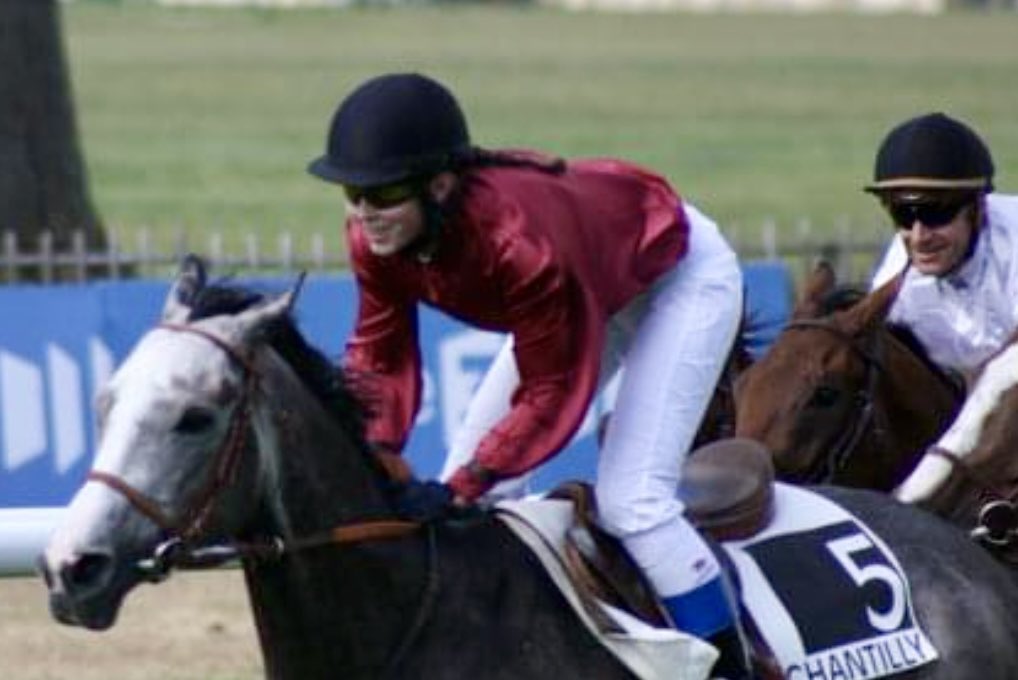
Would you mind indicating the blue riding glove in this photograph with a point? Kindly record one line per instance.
(424, 501)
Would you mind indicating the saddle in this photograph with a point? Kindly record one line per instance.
(727, 488)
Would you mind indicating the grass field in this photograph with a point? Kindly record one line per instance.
(206, 118)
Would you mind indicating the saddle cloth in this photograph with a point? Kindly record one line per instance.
(841, 609)
(650, 653)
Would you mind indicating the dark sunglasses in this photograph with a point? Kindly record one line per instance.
(385, 196)
(932, 214)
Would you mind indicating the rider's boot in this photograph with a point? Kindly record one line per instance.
(706, 613)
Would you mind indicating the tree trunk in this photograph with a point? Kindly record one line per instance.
(43, 183)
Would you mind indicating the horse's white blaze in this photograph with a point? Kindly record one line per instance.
(89, 514)
(166, 373)
(999, 375)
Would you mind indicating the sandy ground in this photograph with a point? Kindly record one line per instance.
(196, 626)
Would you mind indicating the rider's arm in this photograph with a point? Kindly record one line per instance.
(556, 344)
(383, 359)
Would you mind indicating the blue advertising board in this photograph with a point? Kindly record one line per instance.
(59, 345)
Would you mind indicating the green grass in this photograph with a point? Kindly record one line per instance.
(205, 119)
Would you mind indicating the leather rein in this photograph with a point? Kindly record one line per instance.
(827, 467)
(181, 549)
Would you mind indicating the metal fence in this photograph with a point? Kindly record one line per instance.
(853, 249)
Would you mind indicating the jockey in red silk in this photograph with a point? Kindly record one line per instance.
(588, 266)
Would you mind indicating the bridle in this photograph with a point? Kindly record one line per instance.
(191, 523)
(865, 420)
(183, 546)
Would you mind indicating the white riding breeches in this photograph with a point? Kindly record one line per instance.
(671, 344)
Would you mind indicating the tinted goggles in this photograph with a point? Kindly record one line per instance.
(931, 214)
(385, 196)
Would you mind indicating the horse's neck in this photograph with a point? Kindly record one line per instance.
(321, 608)
(314, 473)
(916, 404)
(913, 385)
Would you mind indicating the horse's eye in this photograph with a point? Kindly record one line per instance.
(824, 397)
(194, 420)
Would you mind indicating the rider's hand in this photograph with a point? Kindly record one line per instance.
(426, 501)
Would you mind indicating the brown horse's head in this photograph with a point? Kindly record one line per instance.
(838, 398)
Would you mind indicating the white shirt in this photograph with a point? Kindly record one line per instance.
(966, 316)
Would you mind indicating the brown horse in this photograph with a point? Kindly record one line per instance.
(970, 476)
(841, 397)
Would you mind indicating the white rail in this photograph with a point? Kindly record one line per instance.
(24, 533)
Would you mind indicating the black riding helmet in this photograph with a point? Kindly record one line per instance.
(393, 127)
(932, 152)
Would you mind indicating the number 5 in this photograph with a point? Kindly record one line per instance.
(842, 550)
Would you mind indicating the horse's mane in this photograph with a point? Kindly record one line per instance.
(906, 337)
(325, 379)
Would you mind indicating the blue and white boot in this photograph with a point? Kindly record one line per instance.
(706, 612)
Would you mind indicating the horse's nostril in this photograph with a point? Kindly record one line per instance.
(86, 570)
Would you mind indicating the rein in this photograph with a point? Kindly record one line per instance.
(827, 467)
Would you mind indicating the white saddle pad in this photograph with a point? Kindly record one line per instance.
(650, 653)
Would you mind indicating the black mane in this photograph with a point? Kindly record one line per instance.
(323, 378)
(907, 338)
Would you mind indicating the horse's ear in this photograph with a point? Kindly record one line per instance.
(872, 309)
(253, 319)
(190, 279)
(815, 288)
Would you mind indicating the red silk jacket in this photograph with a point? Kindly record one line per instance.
(545, 257)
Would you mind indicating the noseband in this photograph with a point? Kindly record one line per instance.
(192, 521)
(825, 469)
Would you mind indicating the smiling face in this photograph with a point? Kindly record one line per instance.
(392, 216)
(937, 228)
(388, 230)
